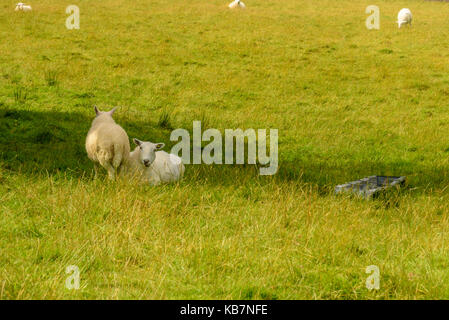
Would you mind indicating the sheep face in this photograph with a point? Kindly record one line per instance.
(147, 152)
(19, 6)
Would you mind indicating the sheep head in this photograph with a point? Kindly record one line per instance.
(98, 112)
(147, 153)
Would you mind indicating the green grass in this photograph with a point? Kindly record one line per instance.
(348, 102)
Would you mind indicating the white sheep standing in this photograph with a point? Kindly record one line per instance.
(404, 17)
(107, 143)
(154, 166)
(22, 7)
(236, 3)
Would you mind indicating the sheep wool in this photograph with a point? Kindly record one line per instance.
(152, 166)
(107, 143)
(404, 17)
(22, 7)
(236, 3)
(166, 168)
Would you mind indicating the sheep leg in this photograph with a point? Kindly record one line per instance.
(111, 170)
(155, 181)
(96, 169)
(121, 170)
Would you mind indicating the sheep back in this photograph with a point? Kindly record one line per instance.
(166, 168)
(108, 142)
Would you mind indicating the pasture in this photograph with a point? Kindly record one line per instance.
(348, 102)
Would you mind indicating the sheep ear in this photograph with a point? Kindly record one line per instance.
(159, 146)
(112, 111)
(137, 142)
(97, 111)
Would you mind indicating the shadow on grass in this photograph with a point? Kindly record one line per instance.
(33, 142)
(327, 174)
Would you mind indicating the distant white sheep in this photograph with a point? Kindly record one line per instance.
(404, 17)
(236, 3)
(152, 166)
(22, 7)
(107, 143)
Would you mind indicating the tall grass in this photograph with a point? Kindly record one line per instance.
(348, 102)
(20, 94)
(165, 120)
(51, 77)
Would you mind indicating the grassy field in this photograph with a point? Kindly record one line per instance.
(348, 102)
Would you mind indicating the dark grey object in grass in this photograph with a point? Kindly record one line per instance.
(371, 186)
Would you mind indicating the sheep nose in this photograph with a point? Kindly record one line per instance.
(146, 162)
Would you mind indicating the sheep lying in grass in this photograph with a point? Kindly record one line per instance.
(107, 143)
(22, 7)
(404, 17)
(153, 166)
